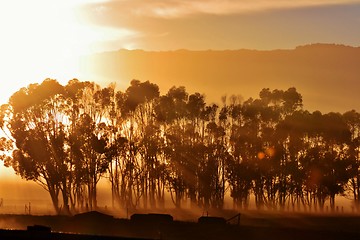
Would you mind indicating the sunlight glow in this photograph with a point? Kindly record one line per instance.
(44, 39)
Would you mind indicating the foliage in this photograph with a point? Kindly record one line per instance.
(67, 138)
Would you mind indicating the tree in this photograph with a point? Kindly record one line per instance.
(324, 161)
(170, 113)
(36, 117)
(352, 119)
(66, 138)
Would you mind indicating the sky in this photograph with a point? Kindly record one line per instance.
(226, 24)
(41, 38)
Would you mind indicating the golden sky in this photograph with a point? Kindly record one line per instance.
(42, 38)
(225, 24)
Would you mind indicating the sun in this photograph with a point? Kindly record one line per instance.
(41, 39)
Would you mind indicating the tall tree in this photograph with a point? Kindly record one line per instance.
(352, 119)
(36, 121)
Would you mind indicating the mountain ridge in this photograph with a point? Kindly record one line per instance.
(327, 75)
(299, 47)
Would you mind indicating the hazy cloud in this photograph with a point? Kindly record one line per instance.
(180, 8)
(227, 24)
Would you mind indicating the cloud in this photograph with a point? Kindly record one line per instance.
(226, 24)
(181, 8)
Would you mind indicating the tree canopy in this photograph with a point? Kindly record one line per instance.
(152, 146)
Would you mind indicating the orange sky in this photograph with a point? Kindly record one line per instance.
(225, 24)
(42, 38)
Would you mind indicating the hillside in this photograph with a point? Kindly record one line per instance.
(327, 75)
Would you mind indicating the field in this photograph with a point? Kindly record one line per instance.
(253, 225)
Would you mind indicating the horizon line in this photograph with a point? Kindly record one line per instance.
(233, 49)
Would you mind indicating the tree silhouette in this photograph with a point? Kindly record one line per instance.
(67, 138)
(171, 116)
(352, 119)
(36, 116)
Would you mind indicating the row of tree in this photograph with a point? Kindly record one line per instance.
(152, 147)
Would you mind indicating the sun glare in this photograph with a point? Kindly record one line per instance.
(42, 39)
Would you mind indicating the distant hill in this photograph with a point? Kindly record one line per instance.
(327, 75)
